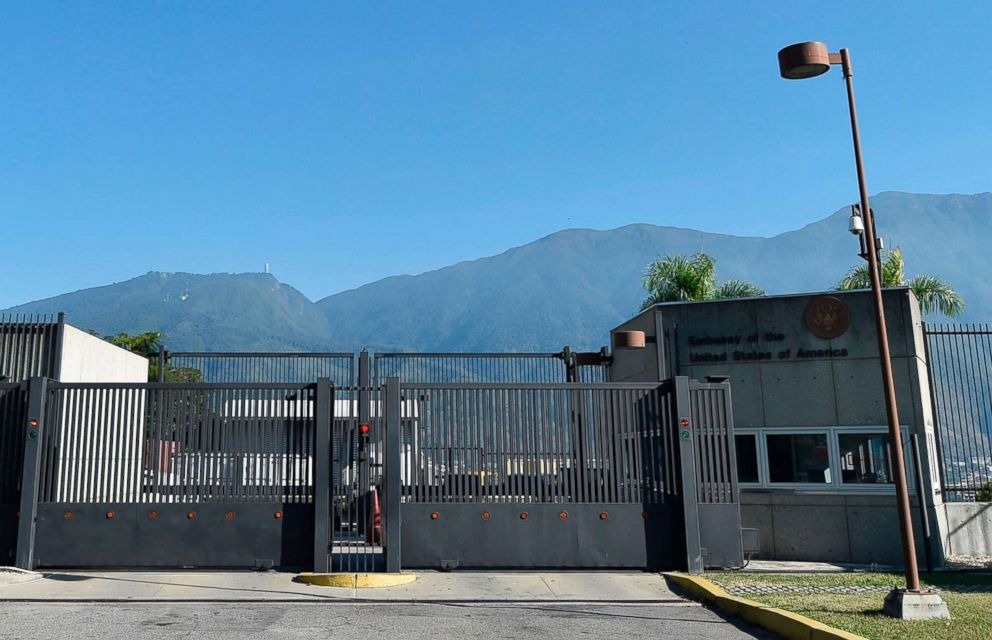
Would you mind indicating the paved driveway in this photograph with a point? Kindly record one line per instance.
(546, 605)
(222, 621)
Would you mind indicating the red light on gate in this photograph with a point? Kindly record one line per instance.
(523, 516)
(604, 516)
(67, 515)
(110, 515)
(191, 515)
(684, 423)
(278, 515)
(33, 422)
(435, 515)
(153, 515)
(486, 515)
(364, 428)
(229, 515)
(563, 515)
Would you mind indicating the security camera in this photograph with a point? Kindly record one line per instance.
(856, 225)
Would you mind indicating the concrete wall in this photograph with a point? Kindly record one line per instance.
(969, 528)
(784, 376)
(86, 358)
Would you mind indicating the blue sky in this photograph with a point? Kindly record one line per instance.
(344, 142)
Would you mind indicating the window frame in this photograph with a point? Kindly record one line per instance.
(836, 484)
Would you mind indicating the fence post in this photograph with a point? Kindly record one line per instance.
(35, 427)
(687, 463)
(162, 359)
(393, 483)
(55, 373)
(323, 421)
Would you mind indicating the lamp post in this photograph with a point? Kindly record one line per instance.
(808, 60)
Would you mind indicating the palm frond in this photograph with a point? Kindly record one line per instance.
(937, 296)
(856, 278)
(738, 289)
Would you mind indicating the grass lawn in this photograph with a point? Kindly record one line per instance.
(971, 613)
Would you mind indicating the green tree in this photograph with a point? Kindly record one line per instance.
(148, 345)
(680, 278)
(934, 293)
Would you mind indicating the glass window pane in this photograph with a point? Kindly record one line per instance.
(865, 458)
(747, 457)
(799, 458)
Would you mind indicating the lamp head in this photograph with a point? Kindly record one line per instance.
(804, 60)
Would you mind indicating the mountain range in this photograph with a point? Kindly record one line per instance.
(570, 287)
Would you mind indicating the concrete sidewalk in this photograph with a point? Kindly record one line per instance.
(431, 586)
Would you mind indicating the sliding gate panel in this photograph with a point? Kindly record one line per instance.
(540, 475)
(13, 422)
(162, 475)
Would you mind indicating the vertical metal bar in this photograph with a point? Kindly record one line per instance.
(687, 460)
(30, 473)
(921, 500)
(323, 418)
(55, 357)
(391, 511)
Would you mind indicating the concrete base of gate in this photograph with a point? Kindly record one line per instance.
(356, 580)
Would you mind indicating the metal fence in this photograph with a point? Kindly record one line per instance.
(543, 368)
(959, 357)
(154, 443)
(538, 443)
(13, 419)
(716, 464)
(29, 346)
(258, 367)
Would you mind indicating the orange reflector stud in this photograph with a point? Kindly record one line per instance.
(33, 422)
(67, 515)
(604, 516)
(435, 515)
(364, 428)
(230, 515)
(190, 515)
(524, 516)
(563, 515)
(486, 515)
(153, 515)
(278, 515)
(110, 515)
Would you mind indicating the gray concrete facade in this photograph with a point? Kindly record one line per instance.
(785, 379)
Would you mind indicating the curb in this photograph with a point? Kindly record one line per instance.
(356, 580)
(786, 624)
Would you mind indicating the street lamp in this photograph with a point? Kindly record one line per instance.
(808, 60)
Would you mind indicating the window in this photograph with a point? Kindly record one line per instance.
(865, 458)
(817, 458)
(747, 458)
(798, 458)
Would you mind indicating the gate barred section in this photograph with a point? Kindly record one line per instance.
(29, 346)
(716, 464)
(959, 358)
(13, 418)
(538, 443)
(259, 367)
(470, 367)
(185, 444)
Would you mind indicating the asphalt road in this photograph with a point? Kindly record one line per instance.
(548, 621)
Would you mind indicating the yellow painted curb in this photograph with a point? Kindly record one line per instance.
(786, 624)
(357, 580)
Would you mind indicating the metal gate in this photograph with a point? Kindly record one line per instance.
(13, 423)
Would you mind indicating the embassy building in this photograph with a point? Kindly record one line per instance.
(813, 461)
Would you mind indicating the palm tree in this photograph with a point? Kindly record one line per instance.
(934, 293)
(681, 278)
